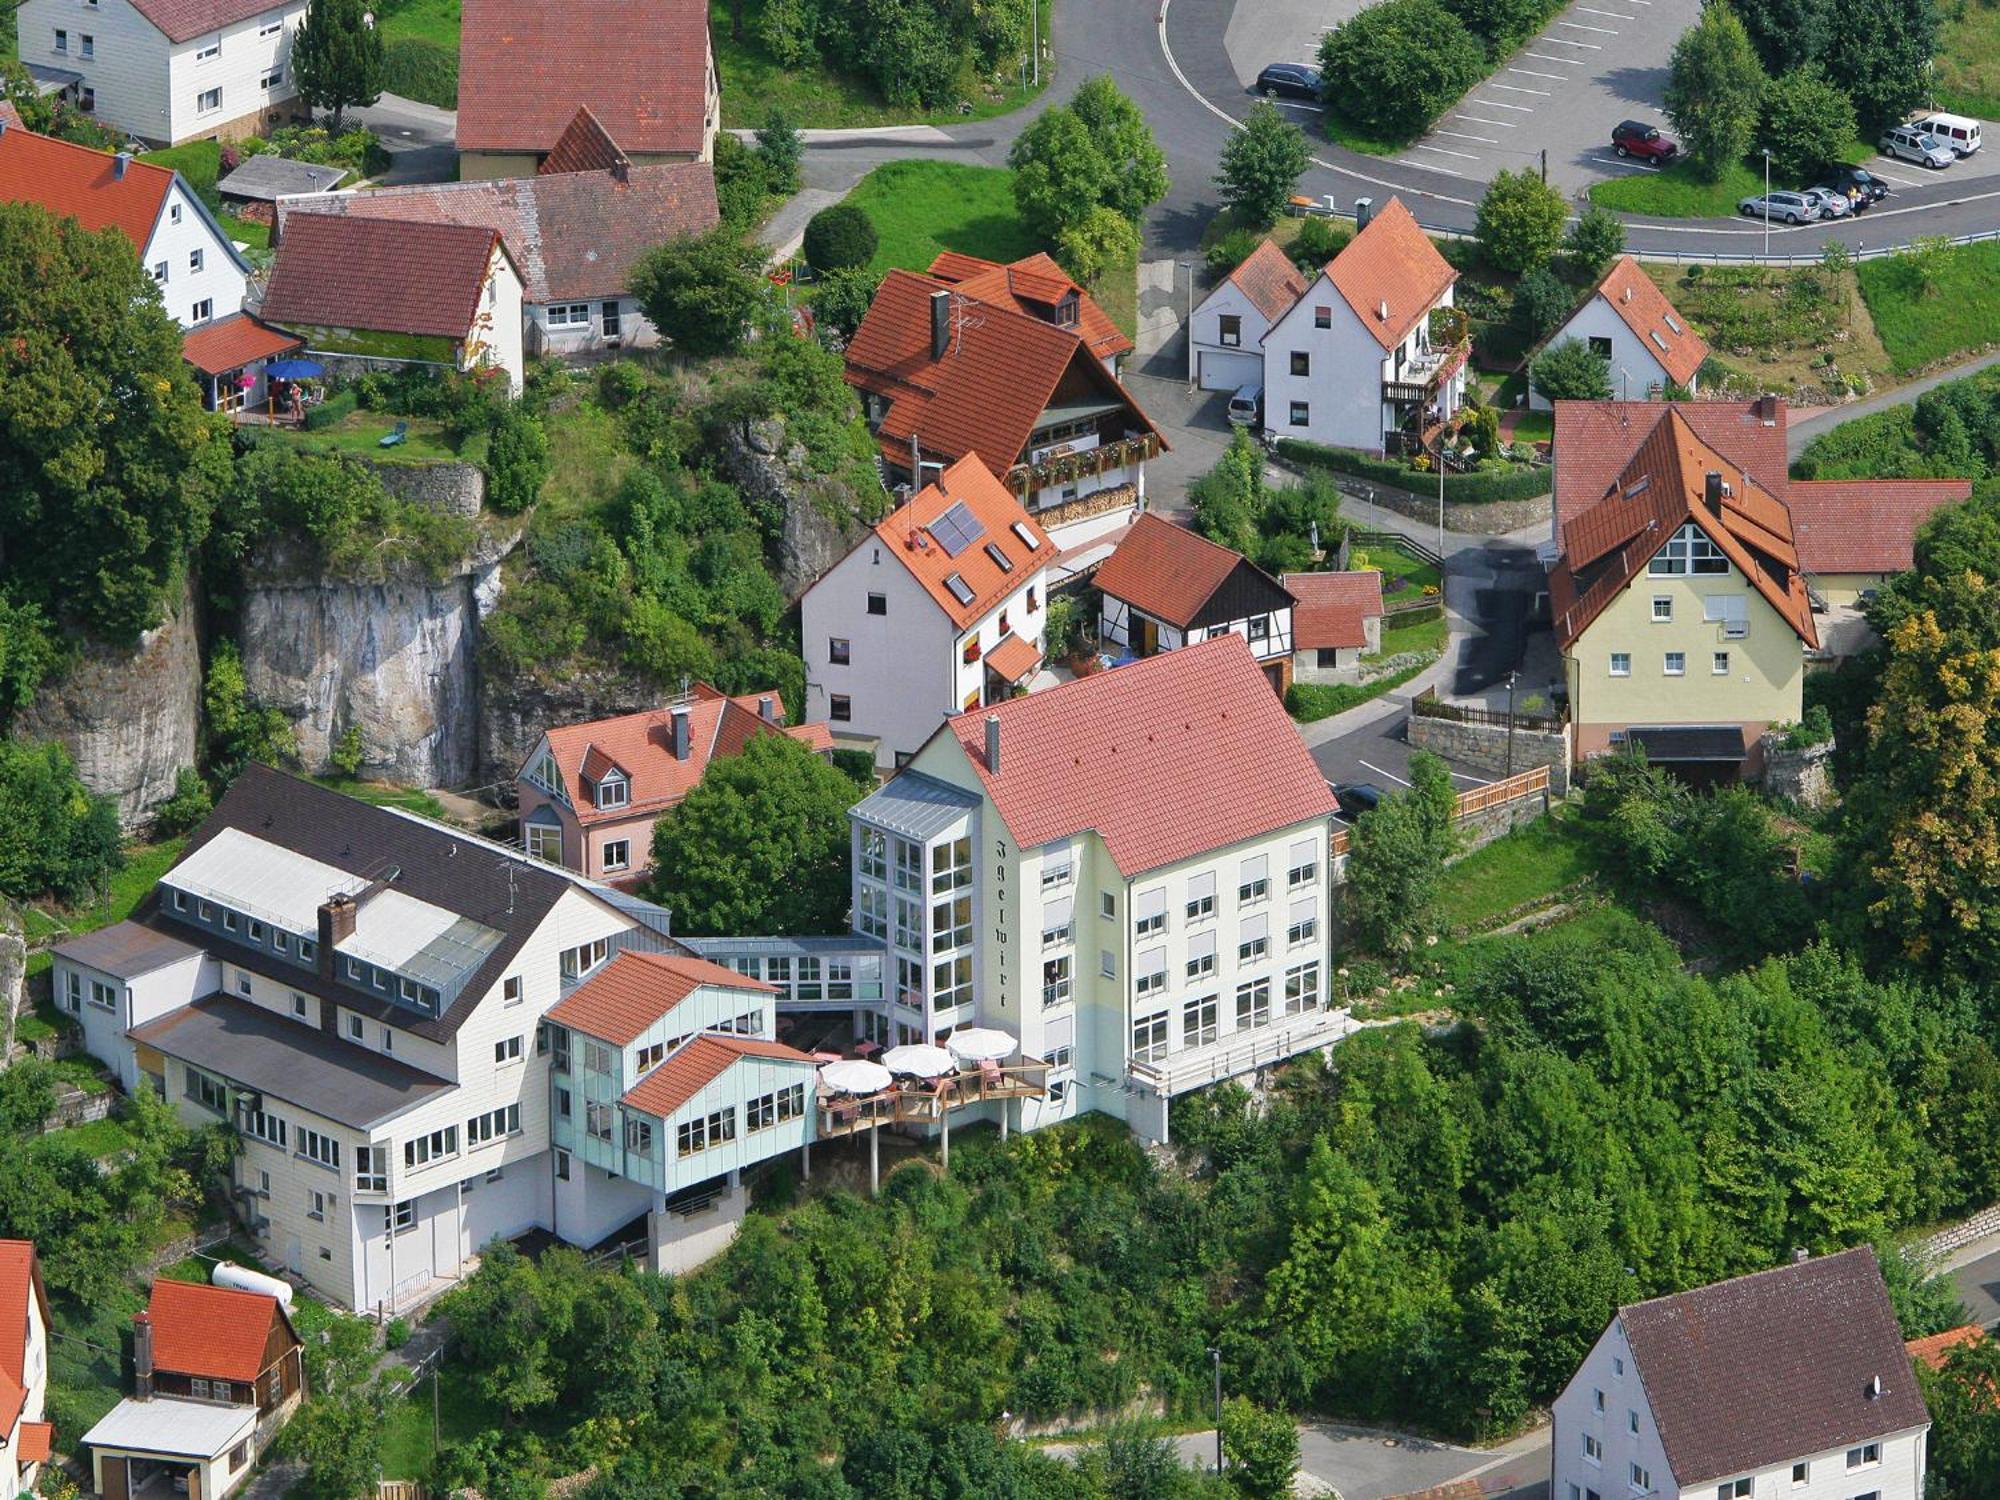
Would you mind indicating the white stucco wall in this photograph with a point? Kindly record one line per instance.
(1343, 388)
(128, 75)
(238, 70)
(1635, 366)
(184, 228)
(1221, 367)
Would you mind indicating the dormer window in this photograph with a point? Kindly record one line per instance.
(614, 791)
(1066, 311)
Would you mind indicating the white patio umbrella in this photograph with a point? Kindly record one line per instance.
(854, 1075)
(920, 1059)
(981, 1044)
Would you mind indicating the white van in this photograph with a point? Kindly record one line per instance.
(1246, 406)
(1956, 131)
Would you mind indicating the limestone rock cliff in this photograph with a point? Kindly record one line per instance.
(513, 712)
(811, 521)
(128, 716)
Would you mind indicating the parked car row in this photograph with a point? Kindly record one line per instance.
(1935, 141)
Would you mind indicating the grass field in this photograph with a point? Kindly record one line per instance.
(1959, 315)
(361, 432)
(820, 98)
(1676, 193)
(1777, 325)
(1421, 635)
(1528, 864)
(386, 794)
(434, 21)
(407, 1446)
(922, 207)
(1968, 61)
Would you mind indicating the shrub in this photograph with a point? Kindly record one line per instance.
(1808, 122)
(189, 804)
(396, 1333)
(345, 757)
(331, 412)
(57, 837)
(517, 462)
(1308, 702)
(839, 237)
(1399, 65)
(779, 145)
(1815, 728)
(421, 70)
(1521, 221)
(740, 184)
(1230, 251)
(1317, 242)
(1466, 489)
(1568, 371)
(620, 383)
(1595, 240)
(1540, 302)
(1103, 238)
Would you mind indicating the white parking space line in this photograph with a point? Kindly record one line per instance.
(1567, 62)
(1525, 109)
(1300, 104)
(1516, 89)
(1390, 774)
(1616, 15)
(1579, 26)
(1563, 41)
(1478, 120)
(1441, 151)
(1459, 135)
(1876, 171)
(1612, 161)
(1531, 73)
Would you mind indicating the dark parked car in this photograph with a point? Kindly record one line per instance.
(1635, 138)
(1357, 797)
(1860, 186)
(1289, 81)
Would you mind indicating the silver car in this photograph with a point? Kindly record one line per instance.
(1831, 205)
(1908, 143)
(1793, 208)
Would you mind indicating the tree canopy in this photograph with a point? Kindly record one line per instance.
(1261, 166)
(1568, 371)
(1095, 152)
(702, 291)
(1714, 91)
(1521, 221)
(337, 58)
(1394, 67)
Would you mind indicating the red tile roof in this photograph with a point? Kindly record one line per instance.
(1013, 659)
(182, 20)
(76, 182)
(642, 66)
(1333, 608)
(36, 1441)
(1270, 280)
(1391, 265)
(1662, 488)
(634, 990)
(10, 116)
(908, 532)
(1027, 286)
(642, 746)
(1000, 372)
(230, 343)
(20, 1279)
(1165, 758)
(1866, 525)
(573, 236)
(1594, 440)
(213, 1331)
(693, 1067)
(1169, 571)
(1934, 1350)
(584, 146)
(1644, 308)
(383, 275)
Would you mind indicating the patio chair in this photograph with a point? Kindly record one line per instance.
(989, 1073)
(391, 439)
(867, 1049)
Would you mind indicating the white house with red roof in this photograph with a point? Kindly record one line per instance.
(167, 71)
(1230, 324)
(24, 1368)
(591, 792)
(1128, 873)
(942, 607)
(1355, 361)
(1018, 364)
(1629, 324)
(199, 272)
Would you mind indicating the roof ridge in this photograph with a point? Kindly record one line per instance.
(1784, 1265)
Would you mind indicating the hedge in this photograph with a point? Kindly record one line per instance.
(422, 71)
(1308, 702)
(1418, 616)
(331, 412)
(1463, 489)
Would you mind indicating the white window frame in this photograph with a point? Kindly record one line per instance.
(1663, 609)
(1621, 664)
(209, 50)
(617, 854)
(569, 315)
(1673, 664)
(202, 104)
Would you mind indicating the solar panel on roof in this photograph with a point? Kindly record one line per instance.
(1000, 559)
(957, 529)
(960, 590)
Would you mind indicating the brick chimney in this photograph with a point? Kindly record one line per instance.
(142, 1356)
(680, 717)
(336, 925)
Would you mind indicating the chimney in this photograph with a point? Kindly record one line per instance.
(336, 926)
(940, 323)
(1625, 295)
(142, 1356)
(680, 731)
(1800, 1255)
(1364, 212)
(1767, 410)
(119, 163)
(767, 709)
(993, 744)
(1712, 491)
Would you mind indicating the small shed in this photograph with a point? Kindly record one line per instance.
(265, 178)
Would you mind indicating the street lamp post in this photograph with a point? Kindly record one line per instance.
(1511, 676)
(1440, 459)
(1215, 1359)
(1767, 202)
(1188, 266)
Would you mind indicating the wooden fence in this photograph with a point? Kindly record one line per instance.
(1532, 783)
(1426, 705)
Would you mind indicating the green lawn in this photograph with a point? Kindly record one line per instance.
(1968, 61)
(589, 459)
(434, 21)
(360, 432)
(99, 1138)
(1526, 865)
(1535, 427)
(144, 865)
(385, 794)
(819, 97)
(1343, 134)
(1420, 635)
(1959, 314)
(462, 1413)
(1676, 193)
(922, 207)
(1404, 577)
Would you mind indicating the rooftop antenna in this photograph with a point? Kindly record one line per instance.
(512, 872)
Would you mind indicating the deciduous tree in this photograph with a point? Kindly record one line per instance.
(702, 291)
(1714, 91)
(1808, 122)
(1136, 166)
(1594, 241)
(1261, 166)
(1521, 221)
(1396, 66)
(1568, 371)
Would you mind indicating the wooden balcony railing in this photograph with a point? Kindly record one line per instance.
(928, 1103)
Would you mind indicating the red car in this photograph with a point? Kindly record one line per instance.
(1643, 141)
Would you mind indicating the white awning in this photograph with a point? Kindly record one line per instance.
(1304, 911)
(1255, 928)
(1056, 857)
(1151, 903)
(1202, 944)
(1152, 961)
(1201, 886)
(1058, 1033)
(1257, 867)
(1304, 852)
(1057, 913)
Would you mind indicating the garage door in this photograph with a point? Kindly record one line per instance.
(1217, 371)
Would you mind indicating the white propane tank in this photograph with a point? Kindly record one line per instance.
(243, 1279)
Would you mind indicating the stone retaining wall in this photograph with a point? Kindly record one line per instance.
(75, 1106)
(1981, 1224)
(1801, 775)
(1476, 830)
(1485, 746)
(1489, 518)
(455, 489)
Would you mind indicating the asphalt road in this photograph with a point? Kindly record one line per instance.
(1979, 1288)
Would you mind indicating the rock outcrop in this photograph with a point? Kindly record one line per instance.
(395, 657)
(811, 522)
(514, 711)
(128, 716)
